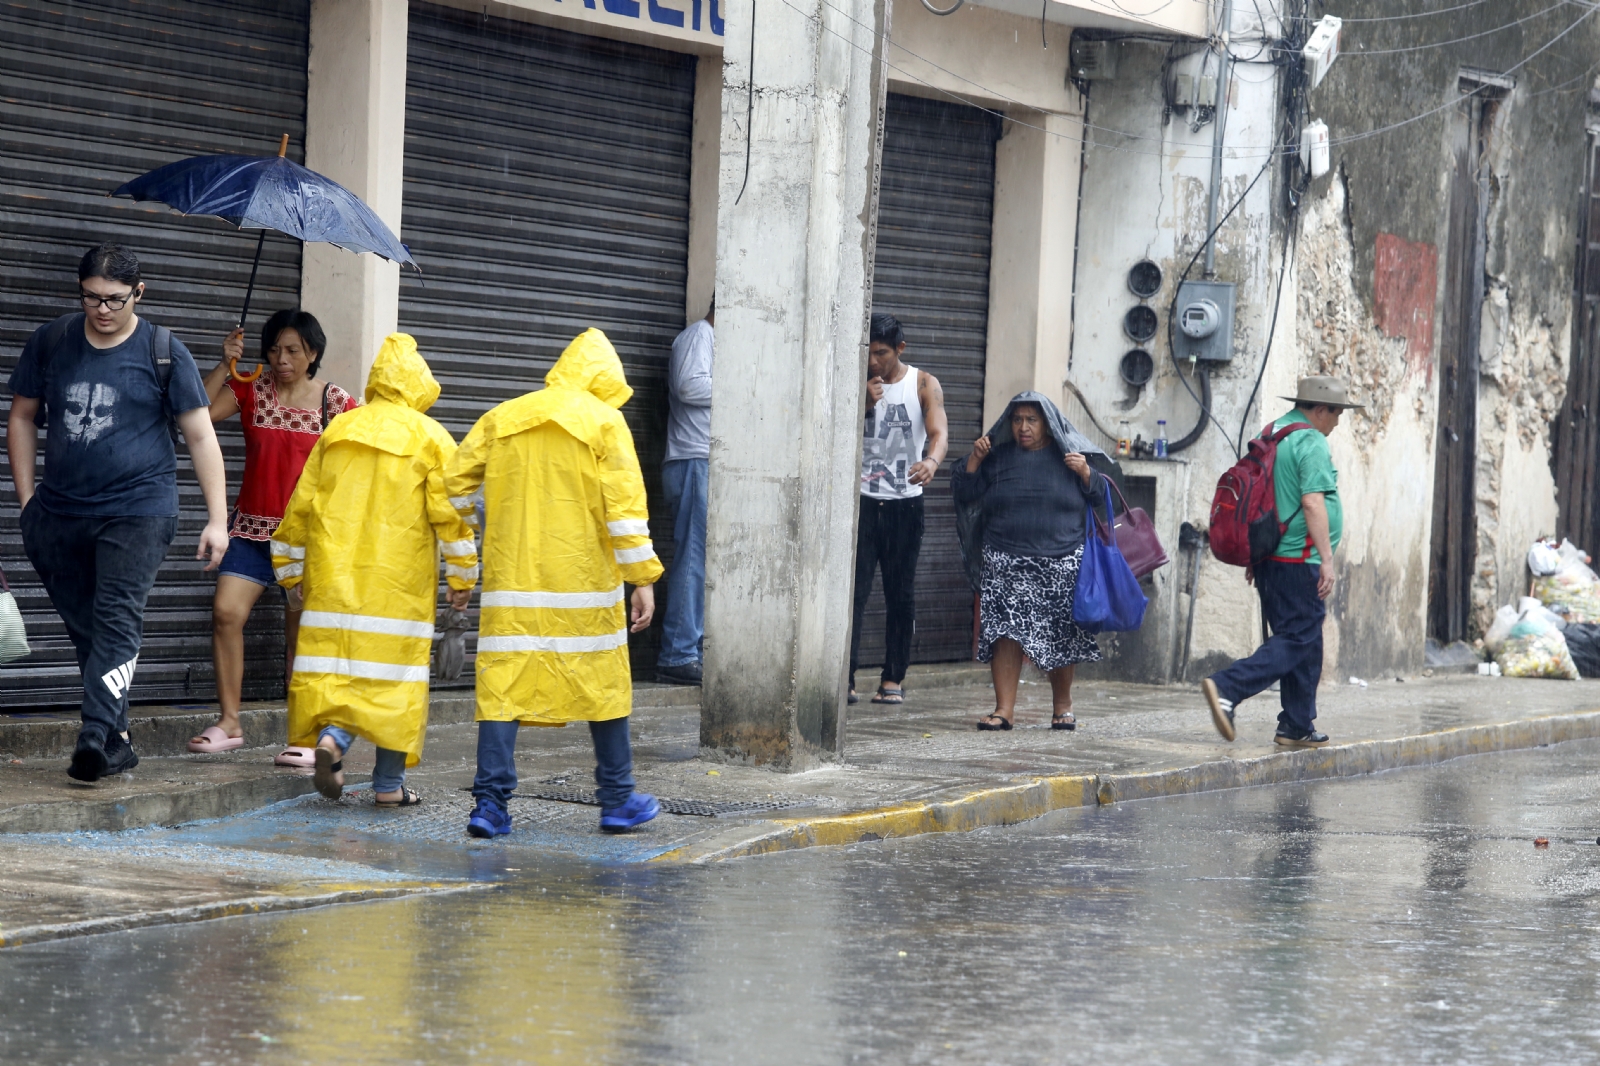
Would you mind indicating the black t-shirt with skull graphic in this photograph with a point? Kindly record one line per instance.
(109, 452)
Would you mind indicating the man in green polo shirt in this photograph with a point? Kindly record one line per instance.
(1296, 580)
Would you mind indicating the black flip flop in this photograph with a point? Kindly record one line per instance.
(852, 698)
(887, 695)
(1066, 721)
(322, 776)
(408, 798)
(985, 725)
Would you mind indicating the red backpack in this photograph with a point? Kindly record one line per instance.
(1244, 512)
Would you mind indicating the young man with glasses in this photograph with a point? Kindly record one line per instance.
(111, 386)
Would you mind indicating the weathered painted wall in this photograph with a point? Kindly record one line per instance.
(1374, 238)
(1145, 188)
(1363, 300)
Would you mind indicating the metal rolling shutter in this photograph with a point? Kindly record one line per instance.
(546, 191)
(96, 92)
(935, 206)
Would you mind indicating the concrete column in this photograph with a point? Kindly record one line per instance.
(794, 270)
(355, 134)
(1037, 164)
(705, 176)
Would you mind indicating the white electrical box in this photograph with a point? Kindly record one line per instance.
(1314, 148)
(1322, 48)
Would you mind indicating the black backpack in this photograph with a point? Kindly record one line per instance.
(160, 355)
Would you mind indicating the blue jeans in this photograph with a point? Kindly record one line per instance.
(684, 623)
(497, 763)
(390, 772)
(1292, 656)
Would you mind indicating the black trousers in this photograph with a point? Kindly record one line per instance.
(889, 536)
(98, 572)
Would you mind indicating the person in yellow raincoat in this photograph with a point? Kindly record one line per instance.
(565, 526)
(361, 539)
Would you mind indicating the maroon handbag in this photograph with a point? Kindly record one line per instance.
(1136, 538)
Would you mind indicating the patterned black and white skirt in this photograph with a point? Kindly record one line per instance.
(1029, 599)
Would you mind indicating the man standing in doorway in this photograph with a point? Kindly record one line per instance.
(111, 385)
(903, 442)
(684, 475)
(1296, 580)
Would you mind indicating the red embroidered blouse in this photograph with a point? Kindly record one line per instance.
(277, 440)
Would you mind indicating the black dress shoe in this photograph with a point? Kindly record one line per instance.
(120, 756)
(1296, 739)
(89, 760)
(684, 674)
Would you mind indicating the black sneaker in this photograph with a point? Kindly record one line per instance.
(89, 760)
(120, 756)
(684, 674)
(1295, 739)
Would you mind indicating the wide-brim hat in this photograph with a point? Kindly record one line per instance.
(1326, 392)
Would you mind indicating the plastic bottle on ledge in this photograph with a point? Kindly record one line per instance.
(1161, 438)
(1124, 439)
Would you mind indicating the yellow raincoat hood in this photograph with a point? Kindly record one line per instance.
(399, 375)
(590, 364)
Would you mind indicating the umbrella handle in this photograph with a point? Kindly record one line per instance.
(233, 371)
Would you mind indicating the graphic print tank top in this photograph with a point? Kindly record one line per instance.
(893, 439)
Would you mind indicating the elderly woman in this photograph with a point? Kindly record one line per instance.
(1024, 495)
(284, 409)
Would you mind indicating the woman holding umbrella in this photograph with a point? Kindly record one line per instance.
(284, 408)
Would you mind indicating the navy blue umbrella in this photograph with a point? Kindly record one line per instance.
(269, 192)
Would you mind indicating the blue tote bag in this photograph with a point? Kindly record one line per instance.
(1108, 597)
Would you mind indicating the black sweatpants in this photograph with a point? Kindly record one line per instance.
(889, 536)
(98, 572)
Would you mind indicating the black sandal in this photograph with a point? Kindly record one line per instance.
(890, 695)
(986, 724)
(322, 776)
(1063, 721)
(408, 798)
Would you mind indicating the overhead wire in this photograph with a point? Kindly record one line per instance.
(1237, 152)
(1428, 45)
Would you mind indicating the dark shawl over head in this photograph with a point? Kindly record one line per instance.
(970, 518)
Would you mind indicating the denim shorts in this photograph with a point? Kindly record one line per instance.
(248, 559)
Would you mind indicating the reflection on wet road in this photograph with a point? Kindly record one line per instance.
(1405, 917)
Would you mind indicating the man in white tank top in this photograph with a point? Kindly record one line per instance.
(904, 437)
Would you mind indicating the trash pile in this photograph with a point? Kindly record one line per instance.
(1555, 632)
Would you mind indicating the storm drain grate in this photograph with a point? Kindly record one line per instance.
(698, 808)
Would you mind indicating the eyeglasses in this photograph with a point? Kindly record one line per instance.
(116, 303)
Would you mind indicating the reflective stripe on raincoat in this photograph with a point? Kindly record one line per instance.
(566, 525)
(364, 531)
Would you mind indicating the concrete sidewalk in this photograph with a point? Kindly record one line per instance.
(917, 768)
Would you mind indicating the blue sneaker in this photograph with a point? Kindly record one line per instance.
(489, 819)
(640, 808)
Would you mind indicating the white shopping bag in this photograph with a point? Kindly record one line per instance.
(13, 637)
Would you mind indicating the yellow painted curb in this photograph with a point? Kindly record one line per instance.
(1020, 803)
(991, 806)
(1350, 760)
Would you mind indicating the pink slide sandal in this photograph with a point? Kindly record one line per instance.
(213, 740)
(304, 758)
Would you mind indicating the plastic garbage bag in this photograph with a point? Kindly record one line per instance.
(1583, 642)
(1500, 628)
(1573, 590)
(1543, 558)
(1536, 648)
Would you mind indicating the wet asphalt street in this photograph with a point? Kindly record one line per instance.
(1405, 917)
